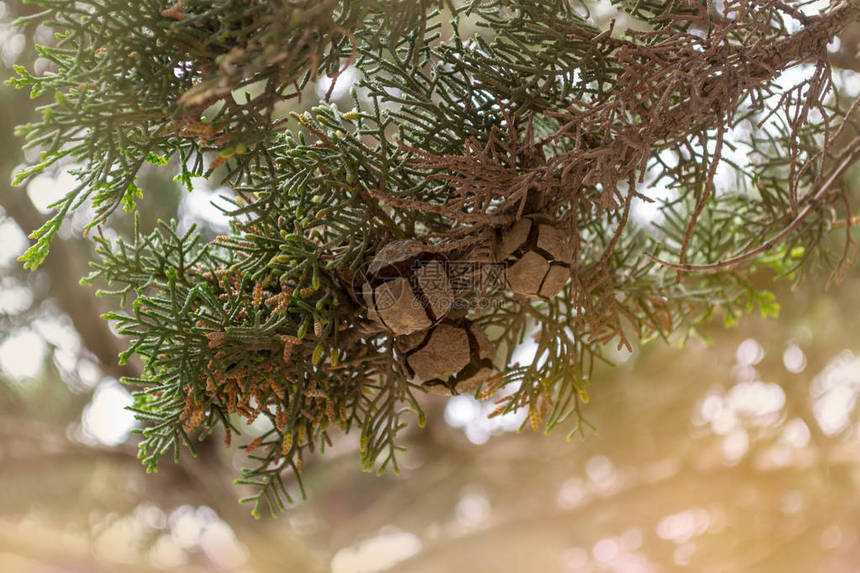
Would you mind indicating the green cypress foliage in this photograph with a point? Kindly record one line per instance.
(466, 117)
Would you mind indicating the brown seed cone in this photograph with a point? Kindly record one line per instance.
(538, 258)
(453, 357)
(407, 289)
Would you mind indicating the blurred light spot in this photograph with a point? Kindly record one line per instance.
(631, 540)
(575, 559)
(119, 540)
(460, 410)
(618, 354)
(473, 509)
(725, 422)
(792, 502)
(105, 417)
(779, 455)
(834, 392)
(744, 373)
(831, 538)
(735, 446)
(470, 414)
(833, 410)
(220, 545)
(684, 553)
(711, 407)
(849, 82)
(660, 470)
(14, 299)
(378, 553)
(749, 352)
(606, 550)
(12, 48)
(88, 372)
(754, 402)
(185, 526)
(21, 354)
(795, 433)
(571, 493)
(305, 523)
(756, 399)
(682, 526)
(601, 471)
(794, 359)
(166, 554)
(344, 81)
(478, 434)
(13, 242)
(59, 332)
(151, 515)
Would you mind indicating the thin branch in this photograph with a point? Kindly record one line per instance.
(851, 155)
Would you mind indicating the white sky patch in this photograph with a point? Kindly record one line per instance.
(524, 354)
(466, 412)
(21, 354)
(793, 76)
(602, 10)
(650, 213)
(736, 151)
(105, 418)
(199, 207)
(341, 87)
(848, 82)
(815, 8)
(460, 411)
(46, 189)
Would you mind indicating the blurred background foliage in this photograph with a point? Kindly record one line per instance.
(738, 451)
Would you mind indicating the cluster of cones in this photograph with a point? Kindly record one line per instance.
(410, 291)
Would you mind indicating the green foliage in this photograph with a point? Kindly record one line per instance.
(454, 132)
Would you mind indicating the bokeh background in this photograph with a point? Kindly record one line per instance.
(735, 450)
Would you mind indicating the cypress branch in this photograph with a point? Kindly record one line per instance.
(516, 111)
